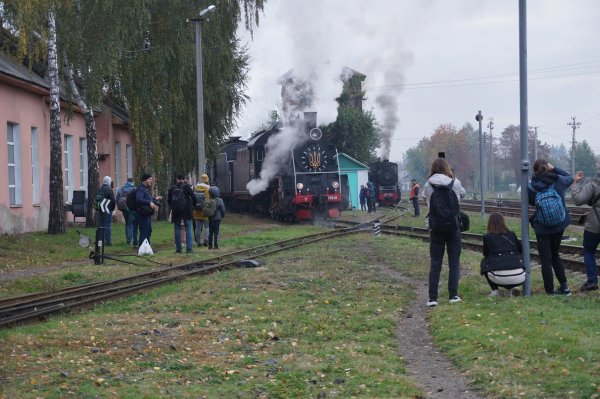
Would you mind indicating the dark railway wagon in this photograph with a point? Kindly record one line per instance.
(304, 184)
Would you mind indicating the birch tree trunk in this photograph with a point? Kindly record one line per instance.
(92, 148)
(56, 217)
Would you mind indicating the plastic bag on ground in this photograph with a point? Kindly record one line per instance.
(145, 248)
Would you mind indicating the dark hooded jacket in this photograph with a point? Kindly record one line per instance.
(561, 181)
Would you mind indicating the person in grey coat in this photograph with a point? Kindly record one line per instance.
(589, 193)
(214, 222)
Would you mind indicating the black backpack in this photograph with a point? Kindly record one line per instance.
(180, 201)
(130, 200)
(444, 211)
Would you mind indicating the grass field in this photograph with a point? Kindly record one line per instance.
(315, 322)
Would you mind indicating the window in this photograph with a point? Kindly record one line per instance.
(83, 165)
(13, 141)
(118, 164)
(35, 166)
(129, 159)
(68, 168)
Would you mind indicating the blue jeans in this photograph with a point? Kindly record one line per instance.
(415, 202)
(213, 232)
(437, 243)
(548, 247)
(590, 244)
(145, 223)
(106, 222)
(188, 234)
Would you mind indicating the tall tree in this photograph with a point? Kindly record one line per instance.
(585, 160)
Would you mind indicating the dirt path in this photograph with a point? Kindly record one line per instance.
(435, 374)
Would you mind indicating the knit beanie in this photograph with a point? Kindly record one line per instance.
(145, 177)
(107, 180)
(204, 178)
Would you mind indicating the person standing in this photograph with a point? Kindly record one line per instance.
(182, 200)
(201, 220)
(214, 222)
(105, 218)
(549, 183)
(442, 192)
(362, 196)
(413, 195)
(501, 265)
(589, 193)
(145, 207)
(128, 214)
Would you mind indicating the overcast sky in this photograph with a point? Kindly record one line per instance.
(442, 61)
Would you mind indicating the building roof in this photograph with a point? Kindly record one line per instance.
(348, 163)
(9, 67)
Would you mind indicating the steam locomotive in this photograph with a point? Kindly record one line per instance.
(384, 175)
(286, 182)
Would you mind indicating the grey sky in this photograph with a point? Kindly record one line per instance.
(442, 60)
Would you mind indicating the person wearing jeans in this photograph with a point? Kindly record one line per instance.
(182, 201)
(589, 193)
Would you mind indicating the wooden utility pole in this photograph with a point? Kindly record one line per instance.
(574, 125)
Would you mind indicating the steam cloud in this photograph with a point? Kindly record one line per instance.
(278, 151)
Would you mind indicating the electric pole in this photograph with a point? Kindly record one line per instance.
(491, 127)
(535, 128)
(574, 125)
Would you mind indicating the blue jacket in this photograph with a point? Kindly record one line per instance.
(561, 181)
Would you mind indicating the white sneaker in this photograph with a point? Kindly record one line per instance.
(455, 299)
(494, 294)
(431, 303)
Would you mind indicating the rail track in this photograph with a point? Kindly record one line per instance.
(38, 306)
(513, 208)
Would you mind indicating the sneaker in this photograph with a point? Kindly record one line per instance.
(514, 291)
(205, 243)
(494, 294)
(431, 303)
(210, 247)
(563, 291)
(189, 251)
(589, 286)
(455, 299)
(178, 251)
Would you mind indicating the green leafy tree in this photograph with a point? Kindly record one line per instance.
(585, 160)
(417, 161)
(355, 133)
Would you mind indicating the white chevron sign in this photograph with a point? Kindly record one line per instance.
(104, 205)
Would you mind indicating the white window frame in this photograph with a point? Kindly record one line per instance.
(118, 164)
(69, 168)
(35, 166)
(83, 164)
(129, 159)
(15, 190)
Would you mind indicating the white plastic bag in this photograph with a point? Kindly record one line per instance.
(145, 248)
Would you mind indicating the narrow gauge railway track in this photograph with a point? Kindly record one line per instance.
(38, 306)
(515, 211)
(572, 256)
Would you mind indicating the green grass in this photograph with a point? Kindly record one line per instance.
(318, 321)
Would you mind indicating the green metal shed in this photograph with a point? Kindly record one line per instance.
(353, 174)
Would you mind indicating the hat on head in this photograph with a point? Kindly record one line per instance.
(145, 176)
(130, 179)
(204, 178)
(107, 180)
(414, 180)
(180, 177)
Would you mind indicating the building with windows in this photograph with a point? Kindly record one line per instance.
(25, 149)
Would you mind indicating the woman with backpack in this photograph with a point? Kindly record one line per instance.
(501, 265)
(442, 192)
(546, 191)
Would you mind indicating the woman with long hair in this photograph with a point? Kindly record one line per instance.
(441, 177)
(501, 265)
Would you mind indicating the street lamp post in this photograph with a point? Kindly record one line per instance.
(479, 118)
(199, 88)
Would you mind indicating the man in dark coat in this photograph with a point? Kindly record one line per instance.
(182, 201)
(145, 207)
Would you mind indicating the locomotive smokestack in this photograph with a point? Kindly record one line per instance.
(310, 120)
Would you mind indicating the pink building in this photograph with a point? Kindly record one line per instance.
(25, 149)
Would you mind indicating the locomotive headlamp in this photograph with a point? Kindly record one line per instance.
(299, 186)
(335, 184)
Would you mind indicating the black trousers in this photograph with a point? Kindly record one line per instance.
(438, 242)
(548, 246)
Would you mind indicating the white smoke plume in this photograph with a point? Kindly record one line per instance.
(278, 154)
(389, 106)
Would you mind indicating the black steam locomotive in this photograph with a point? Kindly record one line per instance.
(287, 182)
(384, 175)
